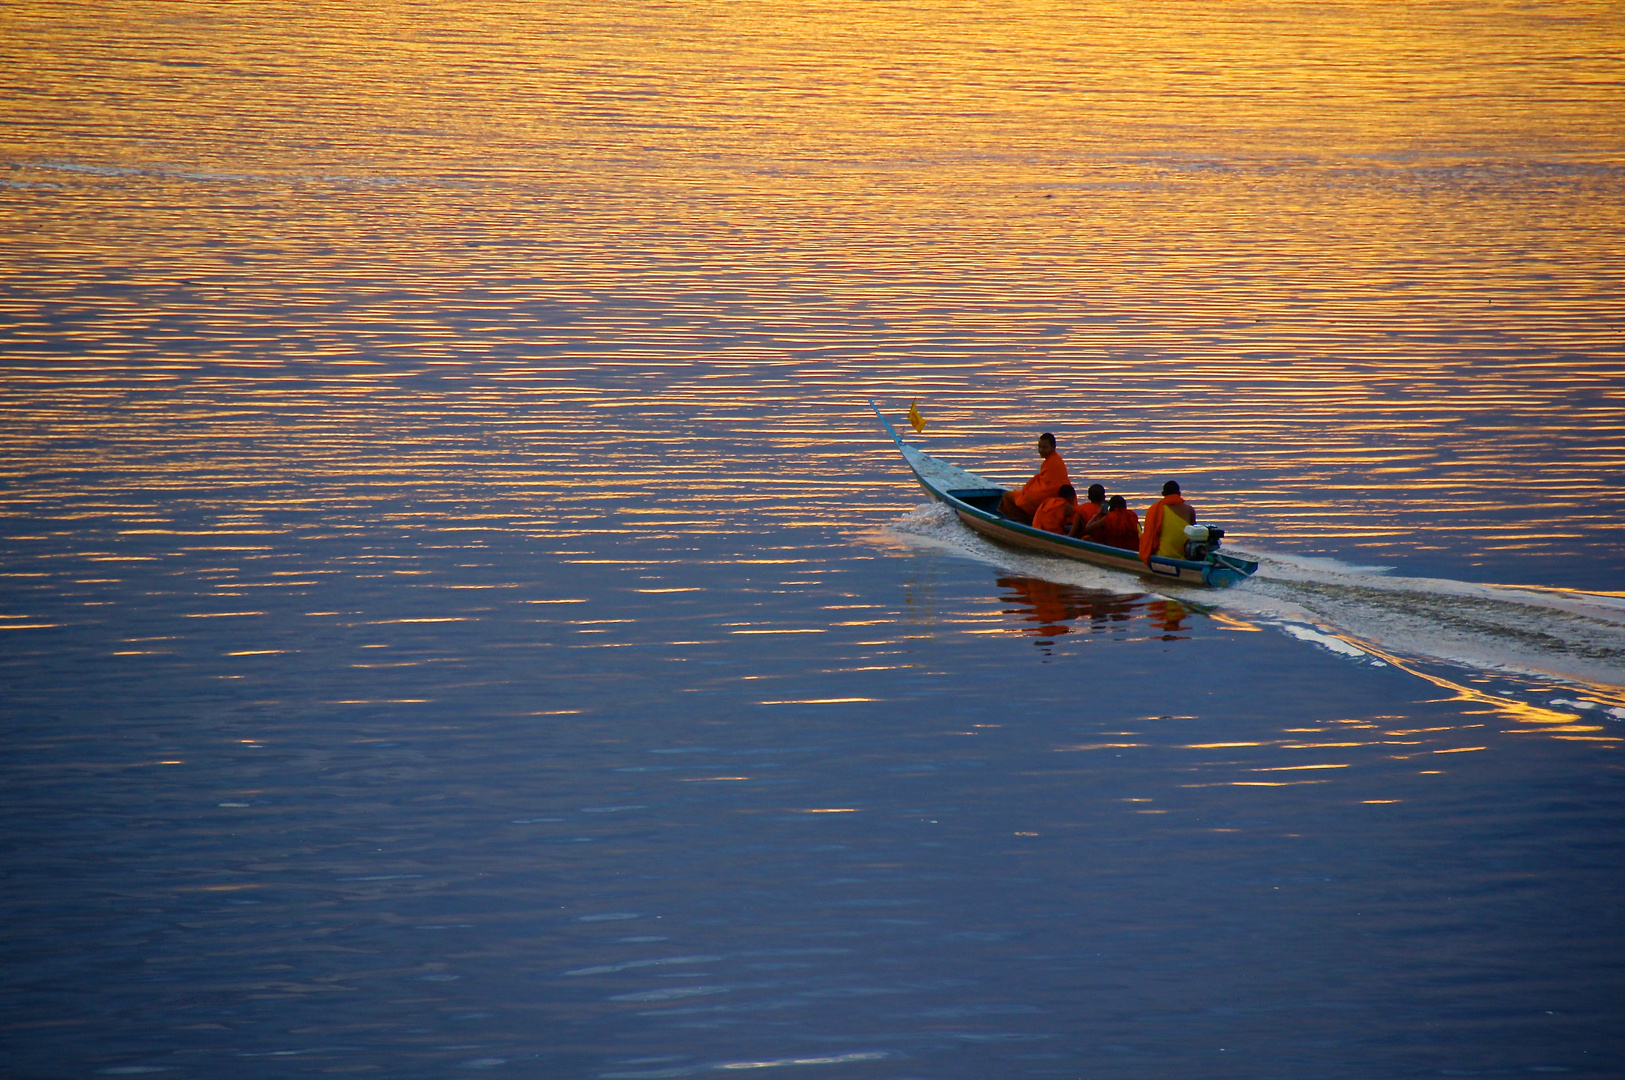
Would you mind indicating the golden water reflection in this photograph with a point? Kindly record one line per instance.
(1334, 267)
(634, 273)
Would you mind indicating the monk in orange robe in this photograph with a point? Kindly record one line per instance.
(1057, 514)
(1046, 483)
(1090, 511)
(1118, 527)
(1165, 525)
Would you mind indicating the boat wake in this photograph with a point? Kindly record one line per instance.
(1360, 611)
(1510, 629)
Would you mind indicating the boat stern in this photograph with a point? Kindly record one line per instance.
(1219, 571)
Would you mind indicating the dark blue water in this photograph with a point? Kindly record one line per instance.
(896, 813)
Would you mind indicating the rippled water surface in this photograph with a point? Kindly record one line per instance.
(460, 614)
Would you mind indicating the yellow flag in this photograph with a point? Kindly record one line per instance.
(915, 418)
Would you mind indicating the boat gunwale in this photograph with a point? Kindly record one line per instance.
(1064, 543)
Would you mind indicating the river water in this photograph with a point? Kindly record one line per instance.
(460, 615)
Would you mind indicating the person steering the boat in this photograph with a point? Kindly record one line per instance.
(1165, 525)
(1118, 527)
(1088, 511)
(1058, 513)
(1046, 483)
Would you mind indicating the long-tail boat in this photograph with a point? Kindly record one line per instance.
(975, 500)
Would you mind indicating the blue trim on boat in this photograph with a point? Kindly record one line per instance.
(896, 438)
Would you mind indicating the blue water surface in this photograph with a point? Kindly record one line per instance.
(459, 614)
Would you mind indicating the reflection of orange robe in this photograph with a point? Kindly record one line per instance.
(1119, 529)
(1055, 514)
(1168, 615)
(1045, 483)
(1152, 540)
(1050, 609)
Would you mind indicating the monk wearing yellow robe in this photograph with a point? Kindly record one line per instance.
(1165, 525)
(1045, 484)
(1057, 514)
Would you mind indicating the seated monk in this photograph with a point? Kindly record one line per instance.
(1046, 482)
(1165, 525)
(1089, 511)
(1118, 527)
(1057, 513)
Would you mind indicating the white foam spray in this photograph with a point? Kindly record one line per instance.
(1356, 611)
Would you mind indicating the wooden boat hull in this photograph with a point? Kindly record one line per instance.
(976, 502)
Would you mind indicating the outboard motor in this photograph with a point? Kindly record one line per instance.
(1201, 541)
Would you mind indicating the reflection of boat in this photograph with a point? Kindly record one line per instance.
(1053, 607)
(976, 501)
